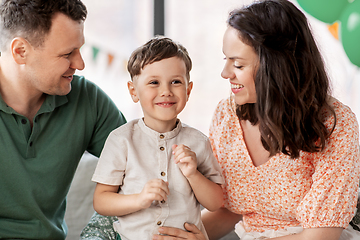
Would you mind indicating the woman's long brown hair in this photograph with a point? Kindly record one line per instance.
(291, 82)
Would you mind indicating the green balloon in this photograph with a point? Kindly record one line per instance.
(350, 31)
(327, 11)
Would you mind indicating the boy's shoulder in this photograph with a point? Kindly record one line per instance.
(193, 132)
(126, 128)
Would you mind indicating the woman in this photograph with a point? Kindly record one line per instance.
(288, 150)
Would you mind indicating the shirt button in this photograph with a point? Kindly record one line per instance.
(163, 173)
(162, 201)
(158, 223)
(31, 143)
(162, 148)
(162, 136)
(23, 121)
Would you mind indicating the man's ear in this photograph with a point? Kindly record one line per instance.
(132, 91)
(19, 49)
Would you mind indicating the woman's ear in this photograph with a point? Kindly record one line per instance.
(20, 48)
(132, 91)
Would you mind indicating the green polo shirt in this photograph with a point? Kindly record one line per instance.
(37, 165)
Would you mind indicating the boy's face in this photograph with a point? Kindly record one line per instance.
(163, 90)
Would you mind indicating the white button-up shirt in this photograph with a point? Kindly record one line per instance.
(134, 154)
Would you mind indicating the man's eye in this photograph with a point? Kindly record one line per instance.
(67, 55)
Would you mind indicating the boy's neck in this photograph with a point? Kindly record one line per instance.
(161, 126)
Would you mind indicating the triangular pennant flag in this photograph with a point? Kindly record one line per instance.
(334, 30)
(95, 51)
(110, 59)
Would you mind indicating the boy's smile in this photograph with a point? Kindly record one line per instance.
(163, 90)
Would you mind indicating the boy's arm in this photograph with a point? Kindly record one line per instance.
(108, 202)
(208, 193)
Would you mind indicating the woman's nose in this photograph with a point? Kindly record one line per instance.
(227, 73)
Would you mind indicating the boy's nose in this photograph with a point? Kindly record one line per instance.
(166, 91)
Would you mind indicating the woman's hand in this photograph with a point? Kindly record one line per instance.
(175, 233)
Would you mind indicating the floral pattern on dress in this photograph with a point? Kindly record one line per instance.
(315, 190)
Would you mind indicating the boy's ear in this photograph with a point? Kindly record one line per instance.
(132, 91)
(188, 90)
(20, 49)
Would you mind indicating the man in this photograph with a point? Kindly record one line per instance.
(48, 115)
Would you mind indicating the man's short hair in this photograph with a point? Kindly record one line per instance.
(31, 19)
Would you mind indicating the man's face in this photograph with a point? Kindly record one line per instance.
(49, 68)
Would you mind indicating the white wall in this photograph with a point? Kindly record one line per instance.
(117, 27)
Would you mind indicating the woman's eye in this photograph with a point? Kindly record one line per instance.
(238, 66)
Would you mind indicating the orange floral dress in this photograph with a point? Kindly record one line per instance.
(315, 190)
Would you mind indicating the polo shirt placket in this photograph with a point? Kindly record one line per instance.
(29, 135)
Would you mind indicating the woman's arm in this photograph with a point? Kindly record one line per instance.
(219, 223)
(326, 233)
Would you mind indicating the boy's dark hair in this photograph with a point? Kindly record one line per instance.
(31, 19)
(157, 49)
(291, 83)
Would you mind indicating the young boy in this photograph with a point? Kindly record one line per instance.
(155, 171)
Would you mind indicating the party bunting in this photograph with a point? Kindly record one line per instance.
(95, 51)
(334, 30)
(110, 58)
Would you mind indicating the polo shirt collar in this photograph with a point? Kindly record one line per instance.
(51, 102)
(4, 107)
(164, 136)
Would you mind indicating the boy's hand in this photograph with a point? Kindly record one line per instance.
(186, 159)
(155, 189)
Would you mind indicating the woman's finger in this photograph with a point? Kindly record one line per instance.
(173, 233)
(192, 228)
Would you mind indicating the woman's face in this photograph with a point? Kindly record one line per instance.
(240, 67)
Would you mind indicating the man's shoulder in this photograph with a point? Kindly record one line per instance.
(80, 82)
(82, 88)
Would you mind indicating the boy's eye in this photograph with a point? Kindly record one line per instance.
(176, 81)
(153, 82)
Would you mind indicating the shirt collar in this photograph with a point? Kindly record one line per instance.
(164, 136)
(51, 102)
